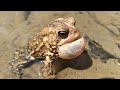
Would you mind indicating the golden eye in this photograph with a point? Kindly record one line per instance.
(63, 33)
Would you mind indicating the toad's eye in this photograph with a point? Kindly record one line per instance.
(63, 33)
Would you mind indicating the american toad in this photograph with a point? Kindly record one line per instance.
(58, 39)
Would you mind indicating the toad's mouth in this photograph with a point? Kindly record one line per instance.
(72, 49)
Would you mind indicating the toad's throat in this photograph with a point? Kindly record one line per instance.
(72, 49)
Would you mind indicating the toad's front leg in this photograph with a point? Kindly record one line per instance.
(46, 69)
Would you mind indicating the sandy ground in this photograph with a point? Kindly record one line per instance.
(102, 27)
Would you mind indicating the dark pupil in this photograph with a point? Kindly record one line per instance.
(63, 34)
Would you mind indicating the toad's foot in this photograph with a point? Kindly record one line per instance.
(45, 70)
(20, 60)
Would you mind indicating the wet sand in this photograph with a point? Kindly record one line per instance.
(102, 27)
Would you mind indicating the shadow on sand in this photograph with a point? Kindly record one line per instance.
(80, 63)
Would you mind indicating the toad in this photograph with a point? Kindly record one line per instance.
(58, 39)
